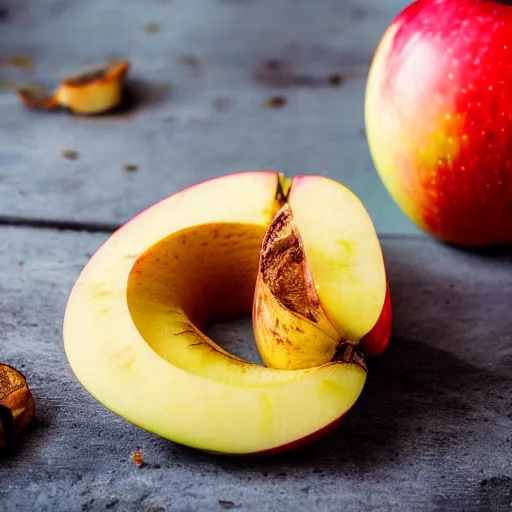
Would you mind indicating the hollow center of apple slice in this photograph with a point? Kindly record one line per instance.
(236, 337)
(208, 271)
(191, 280)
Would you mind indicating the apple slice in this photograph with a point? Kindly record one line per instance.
(322, 280)
(135, 320)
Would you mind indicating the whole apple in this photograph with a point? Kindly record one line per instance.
(438, 114)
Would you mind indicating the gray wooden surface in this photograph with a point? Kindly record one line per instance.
(433, 428)
(177, 135)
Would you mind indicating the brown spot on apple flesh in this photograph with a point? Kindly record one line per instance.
(278, 338)
(284, 268)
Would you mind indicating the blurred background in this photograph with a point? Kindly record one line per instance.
(215, 86)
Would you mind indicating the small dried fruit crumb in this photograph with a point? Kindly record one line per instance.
(152, 28)
(276, 102)
(226, 504)
(137, 458)
(335, 79)
(131, 167)
(70, 154)
(34, 96)
(19, 61)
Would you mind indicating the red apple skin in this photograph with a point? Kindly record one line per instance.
(298, 444)
(438, 113)
(377, 340)
(305, 441)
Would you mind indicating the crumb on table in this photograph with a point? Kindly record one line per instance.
(69, 154)
(152, 28)
(276, 102)
(137, 458)
(335, 79)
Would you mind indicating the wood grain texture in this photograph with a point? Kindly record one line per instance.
(432, 430)
(201, 110)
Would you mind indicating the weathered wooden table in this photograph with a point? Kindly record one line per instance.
(433, 429)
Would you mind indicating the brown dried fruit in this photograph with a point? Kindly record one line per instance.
(335, 79)
(19, 61)
(226, 504)
(69, 154)
(137, 458)
(17, 406)
(276, 102)
(93, 92)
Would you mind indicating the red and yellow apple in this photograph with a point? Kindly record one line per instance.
(438, 115)
(135, 323)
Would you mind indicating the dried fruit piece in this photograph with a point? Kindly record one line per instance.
(93, 92)
(69, 154)
(17, 406)
(137, 458)
(276, 102)
(19, 61)
(35, 97)
(335, 79)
